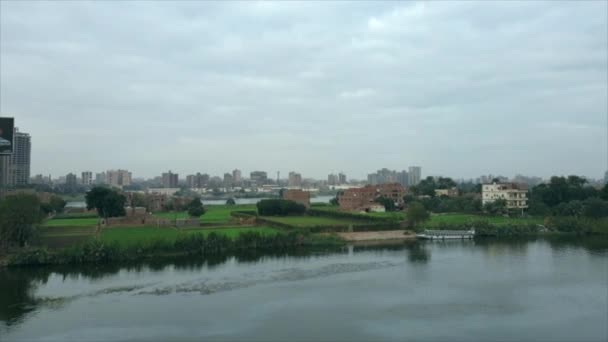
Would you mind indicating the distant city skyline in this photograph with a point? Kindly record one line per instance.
(459, 88)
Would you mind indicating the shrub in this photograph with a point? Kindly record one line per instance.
(279, 207)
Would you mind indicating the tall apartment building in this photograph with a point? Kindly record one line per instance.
(342, 178)
(516, 195)
(118, 178)
(332, 179)
(228, 180)
(87, 178)
(295, 179)
(236, 176)
(170, 179)
(259, 177)
(197, 181)
(414, 174)
(100, 178)
(21, 158)
(403, 178)
(71, 180)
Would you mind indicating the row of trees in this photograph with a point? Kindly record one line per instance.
(568, 196)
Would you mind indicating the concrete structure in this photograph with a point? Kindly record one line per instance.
(21, 158)
(414, 175)
(342, 178)
(298, 196)
(197, 181)
(606, 177)
(5, 172)
(163, 191)
(259, 177)
(228, 180)
(332, 179)
(236, 176)
(363, 198)
(452, 192)
(87, 178)
(118, 178)
(295, 179)
(516, 195)
(403, 178)
(71, 180)
(170, 180)
(100, 178)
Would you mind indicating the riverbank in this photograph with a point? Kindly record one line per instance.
(394, 235)
(100, 251)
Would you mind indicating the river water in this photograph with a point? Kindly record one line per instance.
(515, 290)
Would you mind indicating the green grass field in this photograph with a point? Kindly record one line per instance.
(309, 221)
(497, 220)
(216, 214)
(70, 222)
(145, 234)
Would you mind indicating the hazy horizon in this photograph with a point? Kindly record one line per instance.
(461, 89)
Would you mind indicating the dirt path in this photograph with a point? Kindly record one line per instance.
(379, 235)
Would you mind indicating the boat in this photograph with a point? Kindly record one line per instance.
(431, 234)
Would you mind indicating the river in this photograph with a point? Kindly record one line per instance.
(512, 290)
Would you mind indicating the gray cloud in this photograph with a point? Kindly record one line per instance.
(461, 88)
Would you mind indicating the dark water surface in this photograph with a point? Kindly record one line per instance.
(517, 290)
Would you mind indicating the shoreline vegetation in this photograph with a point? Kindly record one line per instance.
(77, 239)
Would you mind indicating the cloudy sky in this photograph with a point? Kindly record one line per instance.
(460, 88)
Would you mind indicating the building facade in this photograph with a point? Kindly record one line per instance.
(295, 179)
(298, 196)
(358, 199)
(169, 180)
(21, 158)
(452, 192)
(237, 176)
(342, 178)
(71, 180)
(118, 178)
(414, 175)
(228, 180)
(87, 178)
(197, 181)
(516, 195)
(259, 177)
(332, 179)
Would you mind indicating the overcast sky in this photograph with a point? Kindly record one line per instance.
(459, 88)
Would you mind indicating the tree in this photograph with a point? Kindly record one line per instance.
(19, 215)
(108, 202)
(230, 201)
(57, 204)
(416, 213)
(389, 204)
(498, 207)
(334, 201)
(139, 200)
(595, 208)
(195, 208)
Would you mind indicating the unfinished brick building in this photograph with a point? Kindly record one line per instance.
(359, 199)
(298, 196)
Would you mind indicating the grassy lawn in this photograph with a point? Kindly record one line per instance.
(216, 214)
(71, 222)
(309, 221)
(145, 234)
(497, 220)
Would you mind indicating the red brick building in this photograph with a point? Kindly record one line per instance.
(298, 196)
(361, 198)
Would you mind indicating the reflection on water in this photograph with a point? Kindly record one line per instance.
(487, 267)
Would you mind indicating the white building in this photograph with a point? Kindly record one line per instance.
(515, 195)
